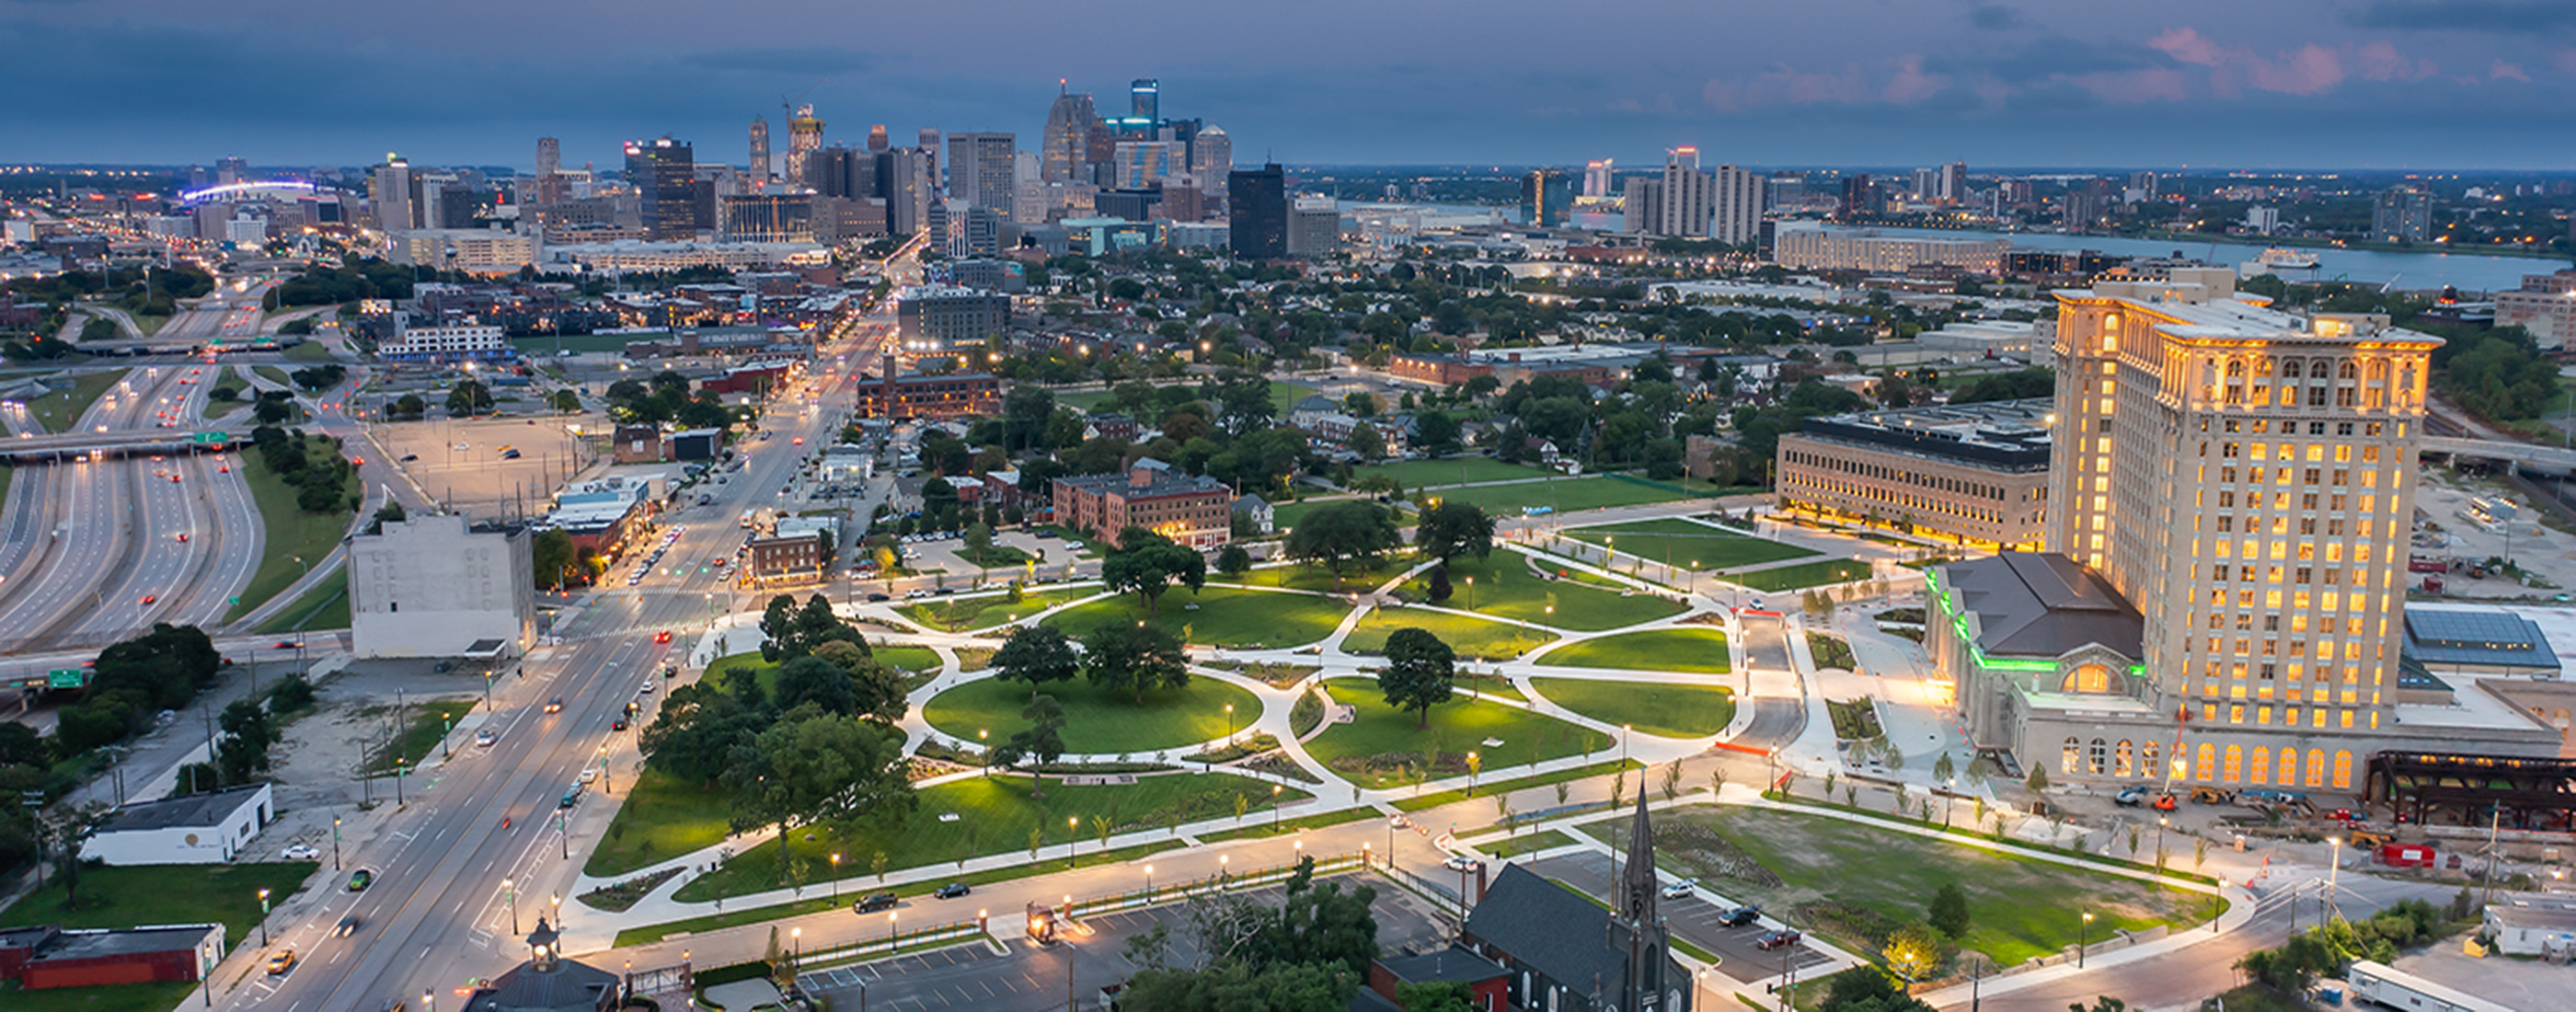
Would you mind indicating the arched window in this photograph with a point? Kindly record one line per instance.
(2343, 770)
(2378, 370)
(2147, 761)
(2316, 767)
(2289, 767)
(2346, 371)
(2262, 367)
(2317, 369)
(2070, 761)
(2093, 678)
(2093, 760)
(2206, 769)
(2261, 771)
(2235, 368)
(2124, 763)
(2235, 763)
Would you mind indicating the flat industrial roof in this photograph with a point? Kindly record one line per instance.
(194, 811)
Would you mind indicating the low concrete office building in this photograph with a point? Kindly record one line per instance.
(191, 829)
(1976, 474)
(431, 587)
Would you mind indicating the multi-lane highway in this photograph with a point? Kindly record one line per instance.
(92, 550)
(436, 918)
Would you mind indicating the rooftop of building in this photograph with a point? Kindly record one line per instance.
(2204, 304)
(1452, 963)
(1533, 919)
(2548, 913)
(2007, 434)
(95, 943)
(2042, 604)
(194, 811)
(2481, 637)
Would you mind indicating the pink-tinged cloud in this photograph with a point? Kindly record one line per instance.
(2188, 46)
(2565, 60)
(2380, 61)
(2501, 71)
(1911, 84)
(2313, 69)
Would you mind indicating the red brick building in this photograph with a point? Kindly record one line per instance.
(791, 559)
(918, 396)
(49, 956)
(1443, 370)
(1488, 984)
(1194, 510)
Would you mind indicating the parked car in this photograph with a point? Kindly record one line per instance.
(591, 773)
(872, 903)
(571, 797)
(1741, 916)
(1461, 862)
(1677, 890)
(359, 880)
(1776, 938)
(281, 961)
(486, 739)
(299, 852)
(953, 890)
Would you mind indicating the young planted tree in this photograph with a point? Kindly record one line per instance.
(1948, 911)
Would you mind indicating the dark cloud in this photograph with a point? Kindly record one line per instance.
(1997, 17)
(2507, 16)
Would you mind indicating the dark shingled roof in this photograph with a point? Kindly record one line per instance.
(1549, 927)
(2042, 604)
(566, 987)
(1452, 963)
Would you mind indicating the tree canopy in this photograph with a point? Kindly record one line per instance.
(1341, 533)
(1420, 671)
(1147, 564)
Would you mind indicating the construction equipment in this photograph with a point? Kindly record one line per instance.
(2212, 796)
(2369, 839)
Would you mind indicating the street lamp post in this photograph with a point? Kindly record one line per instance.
(984, 739)
(1149, 883)
(263, 918)
(446, 726)
(1229, 725)
(1471, 593)
(836, 878)
(1072, 836)
(2334, 865)
(335, 846)
(1274, 808)
(2082, 931)
(510, 898)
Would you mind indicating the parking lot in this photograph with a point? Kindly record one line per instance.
(1032, 978)
(461, 462)
(1694, 919)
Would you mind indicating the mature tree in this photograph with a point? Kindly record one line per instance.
(1041, 742)
(1342, 533)
(1320, 924)
(1233, 561)
(699, 727)
(1436, 996)
(1949, 911)
(1449, 529)
(847, 654)
(778, 623)
(1368, 442)
(553, 557)
(1235, 986)
(1436, 430)
(469, 397)
(248, 734)
(821, 683)
(1419, 672)
(565, 401)
(1036, 654)
(408, 407)
(795, 631)
(812, 767)
(1868, 989)
(1147, 564)
(1025, 413)
(1134, 658)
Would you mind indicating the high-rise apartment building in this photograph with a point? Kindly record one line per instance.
(2401, 214)
(930, 146)
(389, 195)
(664, 174)
(981, 170)
(1735, 205)
(1596, 178)
(877, 138)
(1314, 227)
(760, 167)
(1065, 146)
(1257, 212)
(549, 156)
(1860, 197)
(804, 136)
(2233, 497)
(1677, 203)
(1211, 158)
(1145, 99)
(1950, 187)
(905, 179)
(1544, 198)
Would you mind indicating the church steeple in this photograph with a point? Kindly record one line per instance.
(1637, 887)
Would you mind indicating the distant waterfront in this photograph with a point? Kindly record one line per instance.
(2469, 272)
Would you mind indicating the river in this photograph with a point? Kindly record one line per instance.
(2469, 272)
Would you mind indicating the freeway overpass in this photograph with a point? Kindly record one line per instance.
(2524, 456)
(119, 443)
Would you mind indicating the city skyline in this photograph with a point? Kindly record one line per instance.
(2389, 84)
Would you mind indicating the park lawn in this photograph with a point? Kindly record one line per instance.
(1382, 733)
(663, 818)
(1097, 720)
(308, 350)
(910, 660)
(1290, 827)
(1413, 474)
(1224, 617)
(326, 606)
(1562, 495)
(123, 896)
(1476, 638)
(957, 614)
(2018, 907)
(1696, 649)
(1505, 588)
(1499, 847)
(153, 997)
(996, 815)
(1657, 708)
(274, 374)
(831, 900)
(61, 409)
(1356, 578)
(291, 532)
(1689, 545)
(1804, 574)
(1489, 788)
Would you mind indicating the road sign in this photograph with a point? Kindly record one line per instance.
(211, 437)
(236, 601)
(63, 678)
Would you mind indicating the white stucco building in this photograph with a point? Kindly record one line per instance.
(194, 829)
(432, 587)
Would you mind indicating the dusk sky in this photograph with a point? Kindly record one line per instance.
(2202, 83)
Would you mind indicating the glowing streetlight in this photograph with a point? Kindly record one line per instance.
(2080, 932)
